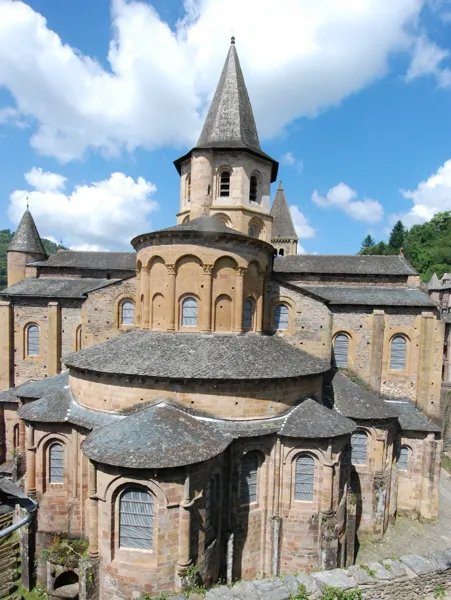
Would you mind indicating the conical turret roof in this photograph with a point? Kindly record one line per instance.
(282, 225)
(434, 283)
(27, 238)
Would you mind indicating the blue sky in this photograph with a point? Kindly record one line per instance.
(98, 99)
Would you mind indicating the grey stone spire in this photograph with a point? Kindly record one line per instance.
(27, 239)
(230, 120)
(282, 225)
(434, 283)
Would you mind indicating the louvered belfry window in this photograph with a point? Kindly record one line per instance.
(398, 353)
(281, 317)
(248, 482)
(224, 188)
(359, 448)
(56, 463)
(136, 511)
(304, 478)
(403, 460)
(248, 314)
(189, 312)
(253, 189)
(33, 340)
(127, 313)
(341, 350)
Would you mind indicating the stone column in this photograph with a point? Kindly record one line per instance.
(171, 297)
(239, 290)
(206, 298)
(184, 531)
(429, 482)
(259, 310)
(31, 462)
(329, 540)
(6, 345)
(138, 307)
(93, 512)
(425, 358)
(54, 339)
(377, 349)
(145, 291)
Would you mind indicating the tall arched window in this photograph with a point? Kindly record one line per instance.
(56, 463)
(188, 187)
(253, 189)
(127, 312)
(224, 184)
(78, 338)
(398, 353)
(252, 231)
(136, 512)
(341, 350)
(359, 448)
(248, 480)
(189, 312)
(304, 478)
(281, 317)
(403, 460)
(32, 340)
(248, 314)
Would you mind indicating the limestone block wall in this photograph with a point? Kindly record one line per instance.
(17, 265)
(27, 311)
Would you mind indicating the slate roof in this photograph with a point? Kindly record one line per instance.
(36, 389)
(312, 420)
(204, 225)
(434, 283)
(343, 264)
(373, 296)
(159, 437)
(197, 356)
(282, 225)
(108, 261)
(62, 287)
(352, 400)
(411, 418)
(230, 122)
(27, 238)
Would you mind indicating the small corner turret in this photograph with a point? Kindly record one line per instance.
(284, 236)
(25, 247)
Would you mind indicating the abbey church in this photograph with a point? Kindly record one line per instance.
(212, 400)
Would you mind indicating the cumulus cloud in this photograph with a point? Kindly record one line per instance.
(301, 224)
(429, 197)
(427, 59)
(300, 59)
(103, 215)
(288, 159)
(343, 197)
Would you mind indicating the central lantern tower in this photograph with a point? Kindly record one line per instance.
(227, 175)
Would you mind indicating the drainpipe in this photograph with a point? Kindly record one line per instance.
(30, 506)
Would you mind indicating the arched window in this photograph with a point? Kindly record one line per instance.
(32, 340)
(398, 353)
(224, 184)
(341, 349)
(78, 338)
(252, 231)
(248, 480)
(403, 460)
(253, 189)
(359, 448)
(136, 519)
(189, 312)
(16, 433)
(56, 463)
(127, 312)
(188, 187)
(304, 478)
(281, 317)
(248, 314)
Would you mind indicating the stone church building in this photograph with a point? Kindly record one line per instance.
(212, 401)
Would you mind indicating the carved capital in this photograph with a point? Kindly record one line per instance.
(138, 274)
(171, 269)
(241, 271)
(208, 269)
(145, 270)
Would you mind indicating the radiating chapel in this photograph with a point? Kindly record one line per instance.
(211, 401)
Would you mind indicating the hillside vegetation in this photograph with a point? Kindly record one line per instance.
(427, 246)
(5, 239)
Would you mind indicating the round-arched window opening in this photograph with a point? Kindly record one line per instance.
(127, 312)
(252, 231)
(189, 312)
(224, 184)
(281, 252)
(32, 340)
(253, 189)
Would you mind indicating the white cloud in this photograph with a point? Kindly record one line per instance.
(429, 197)
(343, 198)
(427, 60)
(301, 224)
(103, 215)
(300, 59)
(289, 159)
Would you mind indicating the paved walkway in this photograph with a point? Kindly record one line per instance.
(411, 537)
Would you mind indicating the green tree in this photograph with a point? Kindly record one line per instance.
(397, 235)
(368, 242)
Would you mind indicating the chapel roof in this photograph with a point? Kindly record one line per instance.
(27, 238)
(120, 261)
(282, 225)
(312, 420)
(410, 417)
(336, 264)
(370, 295)
(35, 389)
(62, 287)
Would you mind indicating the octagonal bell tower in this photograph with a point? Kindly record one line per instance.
(227, 175)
